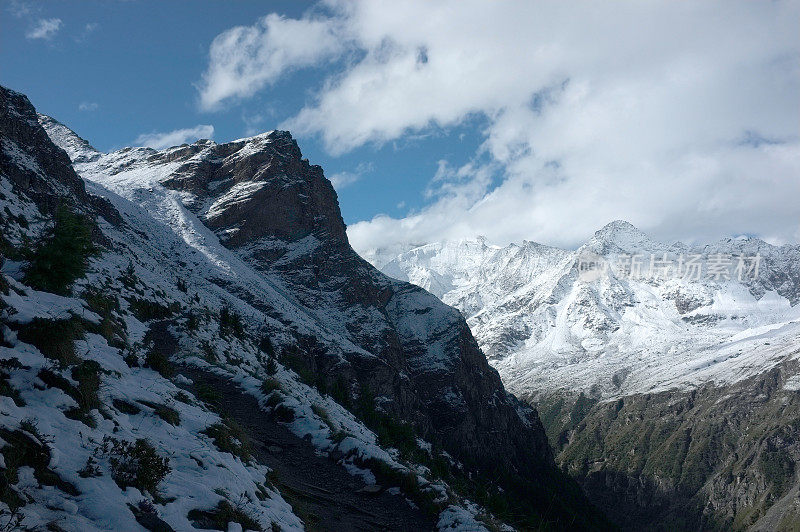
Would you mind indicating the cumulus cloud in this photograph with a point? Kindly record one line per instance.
(346, 178)
(45, 28)
(177, 137)
(680, 117)
(244, 59)
(88, 106)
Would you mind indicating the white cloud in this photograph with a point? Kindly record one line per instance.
(346, 178)
(593, 112)
(45, 28)
(244, 59)
(88, 106)
(177, 137)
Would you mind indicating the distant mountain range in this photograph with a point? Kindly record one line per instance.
(667, 376)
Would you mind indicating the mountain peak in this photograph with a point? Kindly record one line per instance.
(78, 149)
(620, 235)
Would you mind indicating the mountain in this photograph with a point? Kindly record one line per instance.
(204, 349)
(673, 368)
(545, 327)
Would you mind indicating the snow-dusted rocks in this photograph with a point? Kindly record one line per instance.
(545, 326)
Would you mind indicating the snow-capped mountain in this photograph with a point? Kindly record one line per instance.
(223, 331)
(546, 326)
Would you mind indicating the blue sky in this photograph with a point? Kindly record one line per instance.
(116, 70)
(515, 120)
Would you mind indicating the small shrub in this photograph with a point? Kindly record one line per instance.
(168, 414)
(270, 385)
(110, 327)
(209, 353)
(219, 517)
(271, 366)
(266, 347)
(229, 437)
(7, 390)
(159, 362)
(230, 323)
(128, 277)
(125, 407)
(132, 360)
(324, 416)
(87, 375)
(54, 338)
(208, 395)
(146, 310)
(63, 255)
(137, 465)
(183, 397)
(91, 469)
(192, 323)
(181, 284)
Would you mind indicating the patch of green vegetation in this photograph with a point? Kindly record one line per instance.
(229, 437)
(408, 483)
(146, 310)
(209, 395)
(218, 518)
(778, 468)
(390, 432)
(295, 359)
(54, 338)
(209, 353)
(128, 277)
(6, 388)
(270, 385)
(192, 321)
(112, 328)
(63, 254)
(87, 375)
(168, 414)
(136, 464)
(125, 407)
(26, 447)
(230, 323)
(158, 361)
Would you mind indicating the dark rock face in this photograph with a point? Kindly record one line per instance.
(36, 167)
(282, 215)
(720, 458)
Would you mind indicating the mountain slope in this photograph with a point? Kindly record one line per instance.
(232, 258)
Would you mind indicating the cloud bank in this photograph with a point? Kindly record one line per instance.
(681, 117)
(159, 141)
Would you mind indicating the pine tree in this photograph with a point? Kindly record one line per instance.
(63, 255)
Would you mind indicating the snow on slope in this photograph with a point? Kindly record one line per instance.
(545, 327)
(169, 245)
